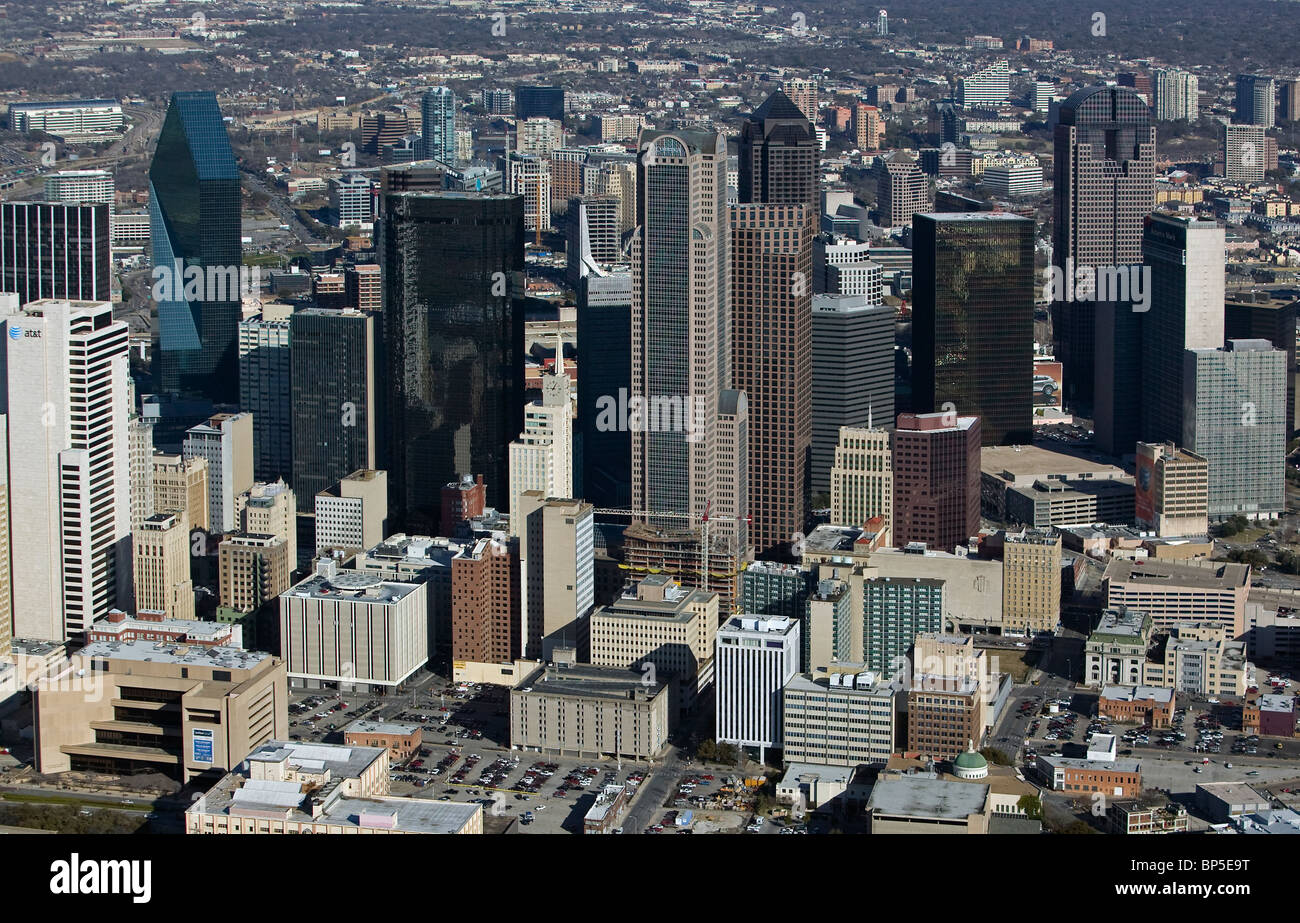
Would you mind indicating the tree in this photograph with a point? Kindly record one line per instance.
(1032, 806)
(995, 756)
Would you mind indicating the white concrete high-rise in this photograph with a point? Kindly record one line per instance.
(69, 484)
(84, 186)
(1177, 95)
(755, 658)
(542, 457)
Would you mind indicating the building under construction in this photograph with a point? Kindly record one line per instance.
(676, 551)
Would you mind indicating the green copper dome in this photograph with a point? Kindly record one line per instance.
(970, 760)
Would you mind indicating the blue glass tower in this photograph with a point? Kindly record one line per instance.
(194, 206)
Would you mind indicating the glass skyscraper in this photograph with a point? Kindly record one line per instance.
(973, 320)
(332, 397)
(1103, 188)
(453, 343)
(194, 208)
(438, 124)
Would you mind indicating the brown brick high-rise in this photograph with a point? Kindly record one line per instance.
(936, 479)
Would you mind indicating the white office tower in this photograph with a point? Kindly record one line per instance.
(226, 441)
(529, 176)
(69, 484)
(542, 457)
(755, 658)
(1177, 95)
(556, 573)
(350, 200)
(86, 187)
(1044, 92)
(1235, 416)
(988, 86)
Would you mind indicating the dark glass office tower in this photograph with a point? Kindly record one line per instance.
(333, 389)
(973, 320)
(1104, 186)
(453, 337)
(779, 156)
(539, 102)
(194, 209)
(603, 457)
(55, 250)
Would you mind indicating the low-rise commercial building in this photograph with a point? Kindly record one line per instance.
(1221, 802)
(401, 740)
(185, 711)
(151, 626)
(1137, 704)
(1113, 778)
(289, 787)
(581, 710)
(1134, 818)
(604, 816)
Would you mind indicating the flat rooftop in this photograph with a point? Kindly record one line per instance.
(1137, 693)
(353, 586)
(1065, 762)
(1022, 465)
(1126, 623)
(381, 727)
(219, 658)
(1160, 574)
(918, 796)
(588, 681)
(1232, 792)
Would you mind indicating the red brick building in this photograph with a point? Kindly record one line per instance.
(936, 461)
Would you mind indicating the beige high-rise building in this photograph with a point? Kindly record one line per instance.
(862, 478)
(661, 628)
(1173, 490)
(1031, 583)
(161, 548)
(180, 485)
(868, 127)
(253, 570)
(529, 176)
(803, 93)
(352, 515)
(269, 509)
(557, 572)
(139, 436)
(226, 441)
(902, 189)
